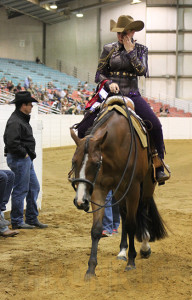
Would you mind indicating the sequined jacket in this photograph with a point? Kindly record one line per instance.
(123, 68)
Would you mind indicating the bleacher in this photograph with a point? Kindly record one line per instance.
(41, 75)
(173, 111)
(18, 70)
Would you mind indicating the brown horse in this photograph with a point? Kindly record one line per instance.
(111, 157)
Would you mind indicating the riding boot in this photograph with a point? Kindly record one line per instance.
(161, 177)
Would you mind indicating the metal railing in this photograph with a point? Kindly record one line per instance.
(6, 97)
(180, 104)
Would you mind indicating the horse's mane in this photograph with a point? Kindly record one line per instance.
(97, 123)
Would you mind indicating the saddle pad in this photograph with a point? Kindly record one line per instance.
(136, 123)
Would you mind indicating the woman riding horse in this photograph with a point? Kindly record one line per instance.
(120, 65)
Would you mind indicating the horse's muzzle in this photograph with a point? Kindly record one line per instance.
(84, 205)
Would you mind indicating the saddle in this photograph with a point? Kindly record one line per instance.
(118, 103)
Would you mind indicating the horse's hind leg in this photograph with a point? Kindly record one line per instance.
(123, 245)
(131, 226)
(145, 250)
(131, 229)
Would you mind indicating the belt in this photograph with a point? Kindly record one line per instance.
(123, 74)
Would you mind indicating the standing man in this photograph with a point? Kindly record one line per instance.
(20, 151)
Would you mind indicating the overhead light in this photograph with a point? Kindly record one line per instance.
(53, 6)
(79, 14)
(136, 1)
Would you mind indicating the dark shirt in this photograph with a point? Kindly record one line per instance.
(18, 135)
(123, 68)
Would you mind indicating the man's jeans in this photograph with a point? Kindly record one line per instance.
(111, 219)
(26, 185)
(6, 184)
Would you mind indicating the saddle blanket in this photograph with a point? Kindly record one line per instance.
(138, 126)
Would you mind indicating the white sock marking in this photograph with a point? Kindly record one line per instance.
(81, 187)
(145, 243)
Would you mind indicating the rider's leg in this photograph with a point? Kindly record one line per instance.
(143, 109)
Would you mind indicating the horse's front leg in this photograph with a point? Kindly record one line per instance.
(96, 233)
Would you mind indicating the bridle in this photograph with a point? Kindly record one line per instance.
(83, 180)
(92, 184)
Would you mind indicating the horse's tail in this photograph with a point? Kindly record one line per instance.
(149, 220)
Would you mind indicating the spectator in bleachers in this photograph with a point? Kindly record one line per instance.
(27, 82)
(79, 85)
(85, 85)
(69, 88)
(62, 94)
(167, 110)
(37, 60)
(56, 105)
(3, 81)
(64, 103)
(10, 85)
(51, 95)
(163, 112)
(161, 109)
(50, 85)
(19, 87)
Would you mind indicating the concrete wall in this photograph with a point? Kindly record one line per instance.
(20, 37)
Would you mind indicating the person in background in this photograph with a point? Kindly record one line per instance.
(111, 219)
(20, 152)
(38, 61)
(27, 82)
(6, 184)
(19, 87)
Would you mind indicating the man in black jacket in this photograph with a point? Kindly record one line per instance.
(20, 152)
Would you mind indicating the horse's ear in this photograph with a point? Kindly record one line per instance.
(74, 136)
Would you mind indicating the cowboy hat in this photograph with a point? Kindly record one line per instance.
(23, 97)
(125, 23)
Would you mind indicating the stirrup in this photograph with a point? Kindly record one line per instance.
(158, 162)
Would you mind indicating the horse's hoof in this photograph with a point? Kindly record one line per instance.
(130, 267)
(145, 254)
(122, 258)
(89, 276)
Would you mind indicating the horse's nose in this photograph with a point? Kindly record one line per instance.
(83, 205)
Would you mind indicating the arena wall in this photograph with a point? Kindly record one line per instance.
(56, 131)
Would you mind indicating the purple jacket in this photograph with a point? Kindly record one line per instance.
(123, 68)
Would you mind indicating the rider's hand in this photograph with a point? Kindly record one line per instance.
(114, 88)
(128, 45)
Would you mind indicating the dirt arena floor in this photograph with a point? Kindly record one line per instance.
(50, 264)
